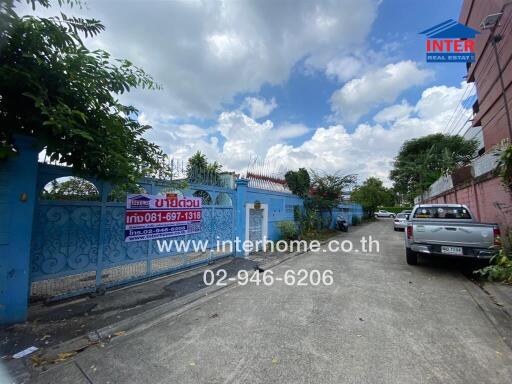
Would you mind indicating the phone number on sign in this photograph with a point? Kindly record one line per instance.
(152, 217)
(302, 277)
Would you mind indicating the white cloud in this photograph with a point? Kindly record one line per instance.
(244, 138)
(432, 97)
(204, 53)
(368, 151)
(393, 113)
(180, 140)
(354, 63)
(289, 131)
(344, 68)
(259, 107)
(371, 148)
(375, 88)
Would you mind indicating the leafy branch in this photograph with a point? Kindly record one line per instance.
(53, 88)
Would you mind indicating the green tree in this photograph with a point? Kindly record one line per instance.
(55, 89)
(372, 194)
(75, 188)
(422, 161)
(299, 182)
(327, 191)
(504, 168)
(199, 171)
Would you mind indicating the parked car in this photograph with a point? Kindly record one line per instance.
(341, 223)
(400, 222)
(382, 213)
(449, 230)
(407, 211)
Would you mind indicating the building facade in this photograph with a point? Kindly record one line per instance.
(477, 184)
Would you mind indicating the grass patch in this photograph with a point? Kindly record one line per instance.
(321, 235)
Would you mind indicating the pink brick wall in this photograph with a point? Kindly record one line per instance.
(488, 200)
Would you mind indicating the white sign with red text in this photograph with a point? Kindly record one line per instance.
(156, 216)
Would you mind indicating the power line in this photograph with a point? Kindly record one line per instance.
(476, 134)
(464, 109)
(464, 113)
(448, 125)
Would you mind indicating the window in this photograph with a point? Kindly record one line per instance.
(205, 197)
(70, 189)
(223, 199)
(442, 212)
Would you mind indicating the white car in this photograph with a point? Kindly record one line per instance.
(382, 213)
(400, 222)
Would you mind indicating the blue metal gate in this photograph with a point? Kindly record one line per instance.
(78, 246)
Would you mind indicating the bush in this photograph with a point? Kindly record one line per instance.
(500, 268)
(356, 220)
(288, 230)
(505, 167)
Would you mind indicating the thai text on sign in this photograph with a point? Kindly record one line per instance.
(156, 216)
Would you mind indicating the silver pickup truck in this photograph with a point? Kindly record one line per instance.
(450, 230)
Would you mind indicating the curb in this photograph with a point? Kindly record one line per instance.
(500, 319)
(22, 371)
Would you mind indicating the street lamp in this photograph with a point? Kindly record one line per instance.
(491, 22)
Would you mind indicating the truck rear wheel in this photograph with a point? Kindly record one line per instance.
(411, 256)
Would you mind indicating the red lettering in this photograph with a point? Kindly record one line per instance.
(437, 46)
(469, 45)
(450, 45)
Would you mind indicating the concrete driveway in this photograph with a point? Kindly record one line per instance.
(382, 321)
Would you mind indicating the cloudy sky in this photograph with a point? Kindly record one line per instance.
(331, 85)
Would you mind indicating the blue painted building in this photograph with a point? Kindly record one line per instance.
(51, 248)
(56, 248)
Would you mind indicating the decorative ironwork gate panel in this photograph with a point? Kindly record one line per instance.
(78, 246)
(255, 225)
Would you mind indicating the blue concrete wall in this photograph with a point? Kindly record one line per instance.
(280, 207)
(38, 238)
(346, 209)
(17, 197)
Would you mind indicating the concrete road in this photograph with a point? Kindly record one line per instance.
(381, 321)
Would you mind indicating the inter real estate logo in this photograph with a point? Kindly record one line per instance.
(450, 42)
(139, 202)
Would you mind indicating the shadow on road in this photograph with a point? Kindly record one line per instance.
(453, 264)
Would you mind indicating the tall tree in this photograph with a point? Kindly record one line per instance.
(65, 96)
(73, 188)
(327, 191)
(422, 161)
(201, 172)
(371, 194)
(299, 182)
